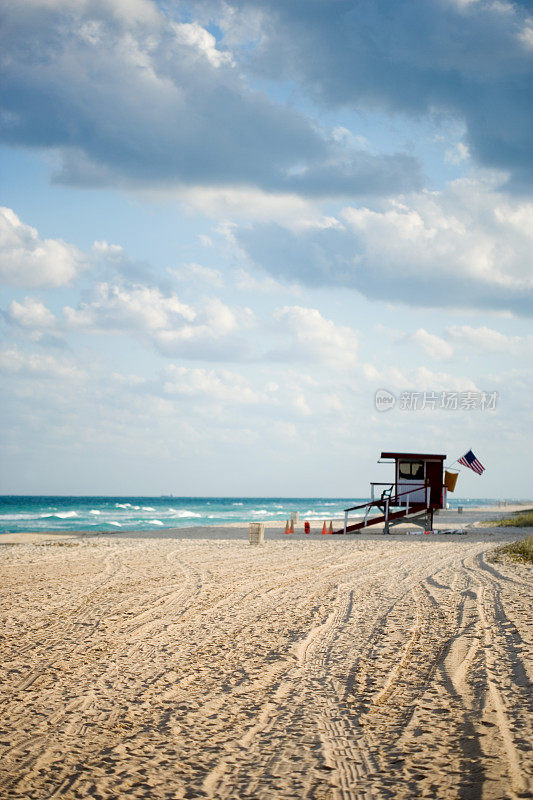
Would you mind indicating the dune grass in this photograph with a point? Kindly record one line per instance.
(522, 519)
(516, 551)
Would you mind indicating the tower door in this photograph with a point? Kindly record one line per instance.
(434, 477)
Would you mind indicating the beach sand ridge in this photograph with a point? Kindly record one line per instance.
(320, 667)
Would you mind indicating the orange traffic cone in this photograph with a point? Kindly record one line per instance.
(330, 527)
(292, 526)
(287, 529)
(324, 529)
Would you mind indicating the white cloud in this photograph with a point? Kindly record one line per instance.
(135, 308)
(217, 334)
(466, 246)
(457, 154)
(249, 203)
(246, 282)
(210, 385)
(221, 319)
(427, 379)
(434, 346)
(468, 230)
(212, 330)
(415, 379)
(30, 313)
(205, 415)
(201, 42)
(18, 362)
(488, 340)
(26, 260)
(457, 340)
(525, 36)
(315, 338)
(112, 252)
(192, 272)
(301, 405)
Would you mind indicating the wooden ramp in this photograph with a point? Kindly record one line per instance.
(387, 515)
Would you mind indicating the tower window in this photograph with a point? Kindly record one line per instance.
(411, 470)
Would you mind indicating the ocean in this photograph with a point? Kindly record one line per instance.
(107, 514)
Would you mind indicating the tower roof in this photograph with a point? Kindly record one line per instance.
(415, 456)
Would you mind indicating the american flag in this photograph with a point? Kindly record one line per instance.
(469, 460)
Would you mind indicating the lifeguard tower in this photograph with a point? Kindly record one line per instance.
(417, 491)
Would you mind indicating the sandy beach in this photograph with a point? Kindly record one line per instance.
(189, 664)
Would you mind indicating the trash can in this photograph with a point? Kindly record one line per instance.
(257, 532)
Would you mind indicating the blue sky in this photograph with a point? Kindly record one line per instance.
(225, 226)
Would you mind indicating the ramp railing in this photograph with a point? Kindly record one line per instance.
(385, 501)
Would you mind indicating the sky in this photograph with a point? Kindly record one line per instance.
(225, 226)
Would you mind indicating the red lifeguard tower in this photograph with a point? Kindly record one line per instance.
(417, 491)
